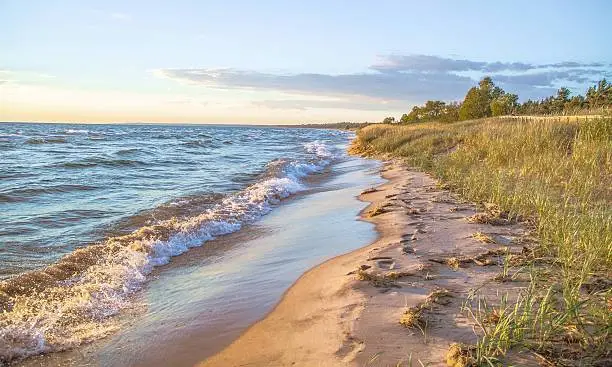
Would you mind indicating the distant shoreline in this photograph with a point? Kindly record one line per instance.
(344, 126)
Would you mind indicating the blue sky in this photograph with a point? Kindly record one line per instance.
(285, 61)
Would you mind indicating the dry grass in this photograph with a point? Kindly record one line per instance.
(554, 173)
(415, 317)
(460, 355)
(438, 296)
(488, 218)
(453, 263)
(383, 280)
(377, 209)
(369, 191)
(479, 236)
(412, 317)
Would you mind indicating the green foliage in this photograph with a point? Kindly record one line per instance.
(476, 104)
(487, 99)
(600, 95)
(432, 111)
(389, 120)
(597, 97)
(505, 104)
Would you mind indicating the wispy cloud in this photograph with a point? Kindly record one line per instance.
(398, 79)
(428, 63)
(436, 64)
(23, 76)
(121, 16)
(550, 77)
(307, 104)
(406, 86)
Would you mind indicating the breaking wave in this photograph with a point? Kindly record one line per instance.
(70, 302)
(76, 131)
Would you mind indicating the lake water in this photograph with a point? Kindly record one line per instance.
(93, 219)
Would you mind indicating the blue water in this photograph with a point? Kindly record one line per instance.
(87, 211)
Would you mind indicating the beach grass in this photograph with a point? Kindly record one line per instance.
(554, 175)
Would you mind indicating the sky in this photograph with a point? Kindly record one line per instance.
(272, 61)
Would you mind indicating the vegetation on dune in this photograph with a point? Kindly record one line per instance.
(489, 100)
(557, 175)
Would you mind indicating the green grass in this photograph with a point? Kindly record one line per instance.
(556, 173)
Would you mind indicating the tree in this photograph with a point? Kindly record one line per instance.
(486, 85)
(389, 120)
(575, 104)
(558, 103)
(599, 95)
(487, 99)
(432, 111)
(477, 102)
(472, 108)
(451, 112)
(505, 104)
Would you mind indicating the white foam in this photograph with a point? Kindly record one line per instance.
(76, 131)
(320, 149)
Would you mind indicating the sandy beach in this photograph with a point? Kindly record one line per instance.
(347, 311)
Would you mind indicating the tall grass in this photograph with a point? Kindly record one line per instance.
(557, 173)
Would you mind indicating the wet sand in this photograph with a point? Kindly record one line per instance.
(335, 315)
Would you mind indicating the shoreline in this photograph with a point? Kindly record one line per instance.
(337, 315)
(271, 342)
(218, 283)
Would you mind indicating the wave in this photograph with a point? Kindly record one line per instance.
(100, 161)
(77, 164)
(24, 194)
(199, 143)
(71, 301)
(10, 135)
(128, 151)
(49, 140)
(97, 137)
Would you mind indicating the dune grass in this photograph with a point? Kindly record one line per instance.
(557, 174)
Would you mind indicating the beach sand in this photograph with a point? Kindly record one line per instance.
(336, 315)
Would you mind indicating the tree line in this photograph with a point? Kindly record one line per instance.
(487, 99)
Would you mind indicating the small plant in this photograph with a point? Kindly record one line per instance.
(412, 317)
(453, 263)
(460, 355)
(438, 296)
(487, 218)
(377, 209)
(504, 275)
(382, 280)
(369, 190)
(479, 236)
